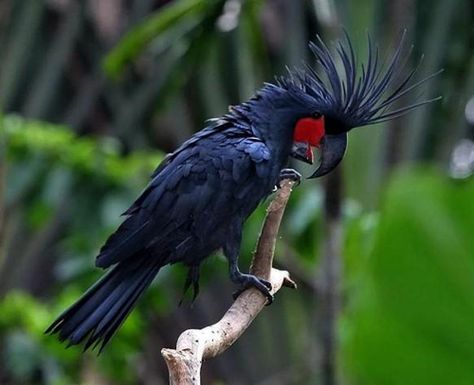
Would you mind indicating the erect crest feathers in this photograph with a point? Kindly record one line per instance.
(352, 96)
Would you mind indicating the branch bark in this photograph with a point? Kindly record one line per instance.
(195, 345)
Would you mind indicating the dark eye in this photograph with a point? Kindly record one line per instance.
(316, 115)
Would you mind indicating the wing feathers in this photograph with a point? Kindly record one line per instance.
(186, 185)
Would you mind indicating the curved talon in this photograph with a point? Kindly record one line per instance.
(270, 299)
(289, 173)
(237, 293)
(248, 280)
(266, 283)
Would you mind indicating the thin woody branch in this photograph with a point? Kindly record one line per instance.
(195, 345)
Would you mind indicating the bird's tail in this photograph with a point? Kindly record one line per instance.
(96, 316)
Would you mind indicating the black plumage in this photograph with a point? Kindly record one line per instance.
(200, 195)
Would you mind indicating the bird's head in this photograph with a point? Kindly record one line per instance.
(334, 101)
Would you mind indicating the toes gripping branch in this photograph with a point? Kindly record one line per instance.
(194, 346)
(290, 174)
(259, 277)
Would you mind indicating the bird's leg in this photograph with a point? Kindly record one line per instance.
(231, 251)
(291, 174)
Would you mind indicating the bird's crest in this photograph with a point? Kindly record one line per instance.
(357, 97)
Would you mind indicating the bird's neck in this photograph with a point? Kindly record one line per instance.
(269, 115)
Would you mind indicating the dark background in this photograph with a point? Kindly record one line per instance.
(93, 93)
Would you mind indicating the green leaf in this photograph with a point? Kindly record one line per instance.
(160, 22)
(412, 320)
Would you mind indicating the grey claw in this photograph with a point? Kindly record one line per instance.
(260, 284)
(291, 174)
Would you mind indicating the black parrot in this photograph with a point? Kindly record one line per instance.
(201, 194)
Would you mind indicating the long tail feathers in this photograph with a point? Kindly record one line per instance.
(97, 315)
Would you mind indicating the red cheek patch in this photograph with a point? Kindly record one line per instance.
(310, 130)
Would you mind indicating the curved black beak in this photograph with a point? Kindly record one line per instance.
(333, 148)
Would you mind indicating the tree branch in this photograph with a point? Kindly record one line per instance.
(195, 345)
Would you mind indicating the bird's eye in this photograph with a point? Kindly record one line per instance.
(316, 115)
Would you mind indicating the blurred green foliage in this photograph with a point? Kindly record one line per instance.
(410, 319)
(91, 158)
(176, 21)
(22, 317)
(28, 349)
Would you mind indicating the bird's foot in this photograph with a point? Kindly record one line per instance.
(248, 280)
(291, 174)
